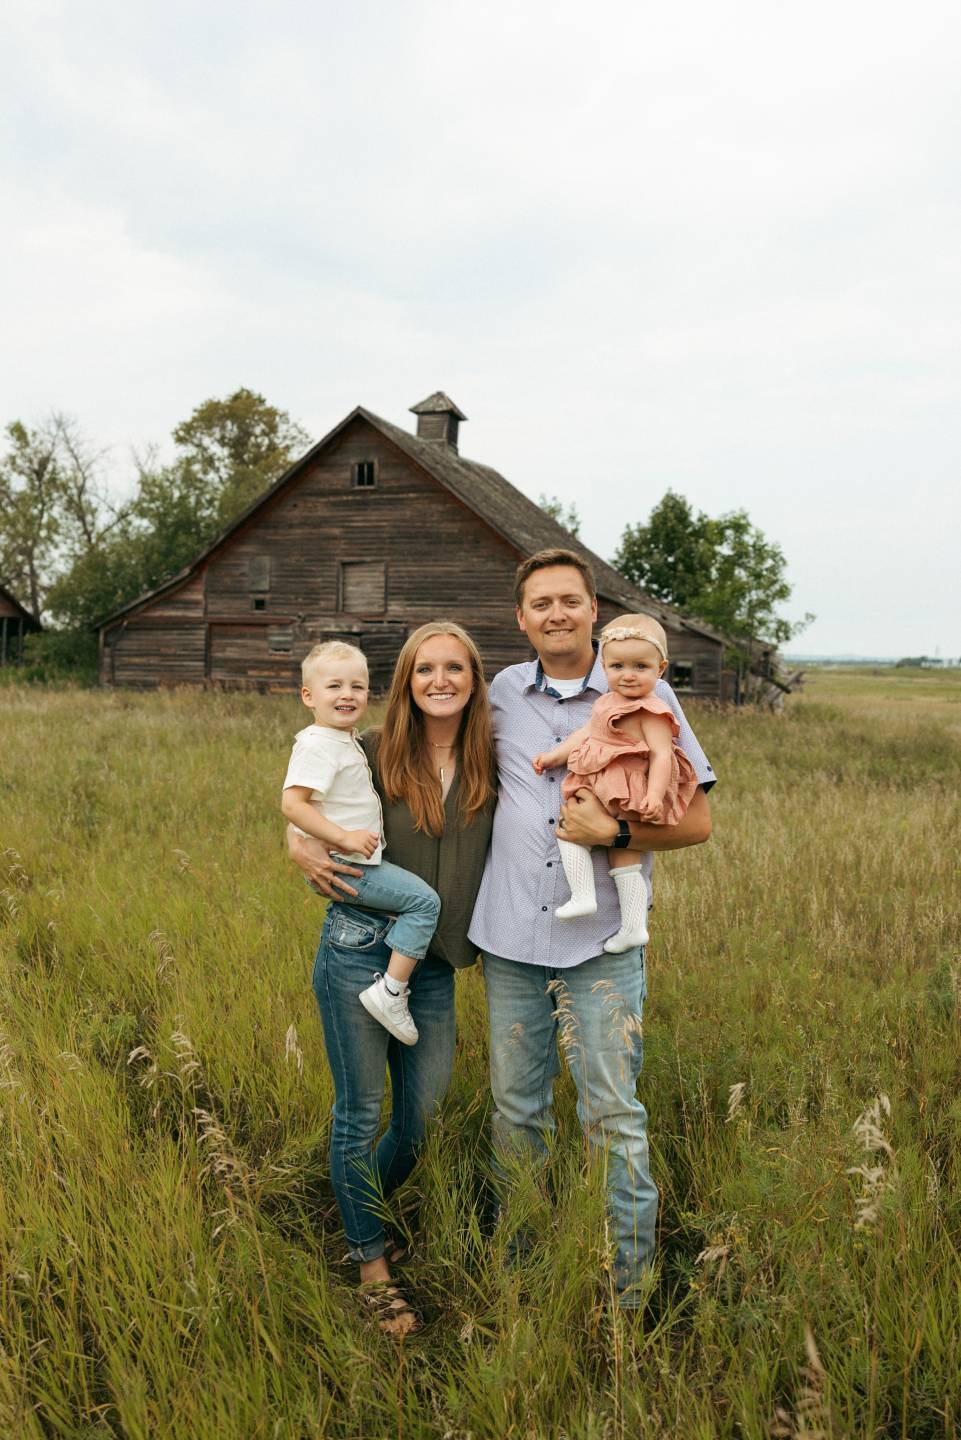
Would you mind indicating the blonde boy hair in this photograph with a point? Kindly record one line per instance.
(636, 627)
(329, 650)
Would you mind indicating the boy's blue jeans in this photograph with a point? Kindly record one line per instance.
(402, 895)
(595, 1010)
(364, 1172)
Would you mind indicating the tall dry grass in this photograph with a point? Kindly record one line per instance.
(170, 1261)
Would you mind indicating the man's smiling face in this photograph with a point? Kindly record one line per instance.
(557, 615)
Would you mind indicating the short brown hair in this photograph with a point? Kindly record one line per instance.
(542, 560)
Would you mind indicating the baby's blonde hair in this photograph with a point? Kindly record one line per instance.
(329, 650)
(636, 627)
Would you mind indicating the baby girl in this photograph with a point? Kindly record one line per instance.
(629, 757)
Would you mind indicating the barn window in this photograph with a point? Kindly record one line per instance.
(259, 603)
(280, 642)
(680, 674)
(258, 572)
(363, 586)
(365, 474)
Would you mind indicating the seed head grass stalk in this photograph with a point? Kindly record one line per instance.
(171, 1262)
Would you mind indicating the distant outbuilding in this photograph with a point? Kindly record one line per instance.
(16, 621)
(370, 534)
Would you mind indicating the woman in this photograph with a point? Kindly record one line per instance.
(433, 766)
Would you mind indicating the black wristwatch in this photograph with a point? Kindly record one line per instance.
(623, 837)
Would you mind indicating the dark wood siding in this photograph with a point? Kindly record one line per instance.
(147, 655)
(242, 657)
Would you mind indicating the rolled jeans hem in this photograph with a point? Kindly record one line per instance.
(363, 1254)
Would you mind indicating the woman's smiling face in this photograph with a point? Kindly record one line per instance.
(441, 681)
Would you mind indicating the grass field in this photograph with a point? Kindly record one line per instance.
(169, 1252)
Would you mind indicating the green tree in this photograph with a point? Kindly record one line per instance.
(30, 519)
(54, 507)
(723, 570)
(565, 515)
(670, 556)
(234, 449)
(228, 452)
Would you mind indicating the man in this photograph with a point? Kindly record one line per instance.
(540, 970)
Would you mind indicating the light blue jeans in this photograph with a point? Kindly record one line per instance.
(413, 906)
(595, 1010)
(365, 1172)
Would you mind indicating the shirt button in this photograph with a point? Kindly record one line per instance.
(544, 907)
(558, 739)
(550, 822)
(549, 864)
(551, 779)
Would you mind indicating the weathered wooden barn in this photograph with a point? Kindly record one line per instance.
(15, 623)
(371, 533)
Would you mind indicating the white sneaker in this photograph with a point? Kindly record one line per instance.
(390, 1010)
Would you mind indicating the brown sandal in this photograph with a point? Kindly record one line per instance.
(390, 1308)
(397, 1250)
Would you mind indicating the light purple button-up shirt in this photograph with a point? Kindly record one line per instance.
(523, 879)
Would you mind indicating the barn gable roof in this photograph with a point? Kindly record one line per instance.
(517, 519)
(26, 614)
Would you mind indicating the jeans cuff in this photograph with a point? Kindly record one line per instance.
(367, 1250)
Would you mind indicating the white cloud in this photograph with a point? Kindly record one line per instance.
(707, 247)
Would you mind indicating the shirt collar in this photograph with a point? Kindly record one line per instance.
(595, 679)
(344, 737)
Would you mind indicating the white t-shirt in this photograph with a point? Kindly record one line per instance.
(332, 765)
(567, 688)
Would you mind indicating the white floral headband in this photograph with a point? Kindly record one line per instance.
(628, 632)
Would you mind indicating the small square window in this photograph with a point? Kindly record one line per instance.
(259, 602)
(681, 675)
(365, 474)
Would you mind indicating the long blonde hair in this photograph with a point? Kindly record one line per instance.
(406, 771)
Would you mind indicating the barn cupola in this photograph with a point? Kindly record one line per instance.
(438, 418)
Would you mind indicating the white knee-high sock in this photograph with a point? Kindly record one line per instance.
(632, 894)
(579, 870)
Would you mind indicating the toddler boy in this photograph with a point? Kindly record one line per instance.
(329, 793)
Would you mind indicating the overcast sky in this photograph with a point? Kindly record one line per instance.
(709, 247)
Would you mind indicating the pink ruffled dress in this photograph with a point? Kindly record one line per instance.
(615, 767)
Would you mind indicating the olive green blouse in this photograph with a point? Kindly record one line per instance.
(452, 862)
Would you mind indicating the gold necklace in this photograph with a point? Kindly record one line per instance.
(434, 746)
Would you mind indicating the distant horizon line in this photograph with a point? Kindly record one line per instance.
(849, 658)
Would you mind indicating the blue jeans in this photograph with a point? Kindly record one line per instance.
(353, 949)
(404, 896)
(595, 1010)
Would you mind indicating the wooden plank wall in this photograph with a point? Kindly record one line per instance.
(280, 579)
